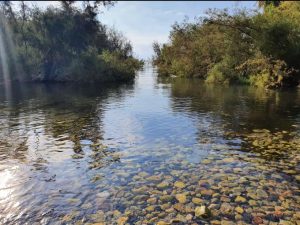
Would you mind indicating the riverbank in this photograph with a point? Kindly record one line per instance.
(62, 43)
(258, 47)
(151, 152)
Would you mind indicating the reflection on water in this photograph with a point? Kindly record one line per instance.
(153, 152)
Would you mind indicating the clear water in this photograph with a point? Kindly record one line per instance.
(83, 154)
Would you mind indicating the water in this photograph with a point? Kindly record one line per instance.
(112, 155)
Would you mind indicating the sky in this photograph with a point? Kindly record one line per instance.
(144, 22)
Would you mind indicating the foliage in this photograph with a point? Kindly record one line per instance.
(65, 43)
(267, 72)
(219, 73)
(259, 47)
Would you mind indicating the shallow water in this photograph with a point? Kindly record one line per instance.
(122, 154)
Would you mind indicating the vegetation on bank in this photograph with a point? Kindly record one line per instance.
(62, 43)
(259, 47)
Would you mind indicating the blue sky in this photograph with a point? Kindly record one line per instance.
(144, 22)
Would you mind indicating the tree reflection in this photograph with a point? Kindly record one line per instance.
(44, 132)
(239, 107)
(46, 117)
(238, 112)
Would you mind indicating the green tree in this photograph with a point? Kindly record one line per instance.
(66, 43)
(264, 4)
(257, 47)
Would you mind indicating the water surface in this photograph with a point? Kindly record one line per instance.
(120, 154)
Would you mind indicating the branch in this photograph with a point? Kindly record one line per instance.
(234, 27)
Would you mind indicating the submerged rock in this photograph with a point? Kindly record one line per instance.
(122, 220)
(207, 192)
(166, 198)
(179, 184)
(98, 217)
(165, 206)
(140, 190)
(202, 211)
(152, 200)
(257, 220)
(226, 208)
(215, 222)
(163, 185)
(154, 178)
(150, 208)
(252, 203)
(252, 195)
(261, 193)
(103, 194)
(285, 222)
(240, 199)
(179, 207)
(206, 161)
(189, 217)
(162, 223)
(197, 201)
(226, 222)
(228, 160)
(86, 206)
(71, 216)
(239, 210)
(181, 198)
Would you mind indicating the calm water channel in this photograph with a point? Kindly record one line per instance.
(150, 152)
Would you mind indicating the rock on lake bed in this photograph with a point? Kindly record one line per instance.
(152, 152)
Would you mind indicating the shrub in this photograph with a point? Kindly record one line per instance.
(257, 47)
(64, 44)
(266, 72)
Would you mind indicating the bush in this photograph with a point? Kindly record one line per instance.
(118, 67)
(64, 44)
(266, 72)
(258, 47)
(217, 75)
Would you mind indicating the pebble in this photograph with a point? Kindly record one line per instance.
(285, 222)
(197, 201)
(150, 208)
(166, 198)
(226, 208)
(201, 211)
(252, 203)
(239, 210)
(163, 185)
(179, 207)
(235, 188)
(179, 184)
(240, 199)
(226, 222)
(206, 192)
(181, 198)
(152, 201)
(122, 220)
(162, 223)
(228, 160)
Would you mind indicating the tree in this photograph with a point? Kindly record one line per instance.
(257, 47)
(67, 43)
(264, 4)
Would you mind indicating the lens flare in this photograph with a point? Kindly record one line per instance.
(8, 57)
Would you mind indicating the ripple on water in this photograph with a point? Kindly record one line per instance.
(153, 152)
